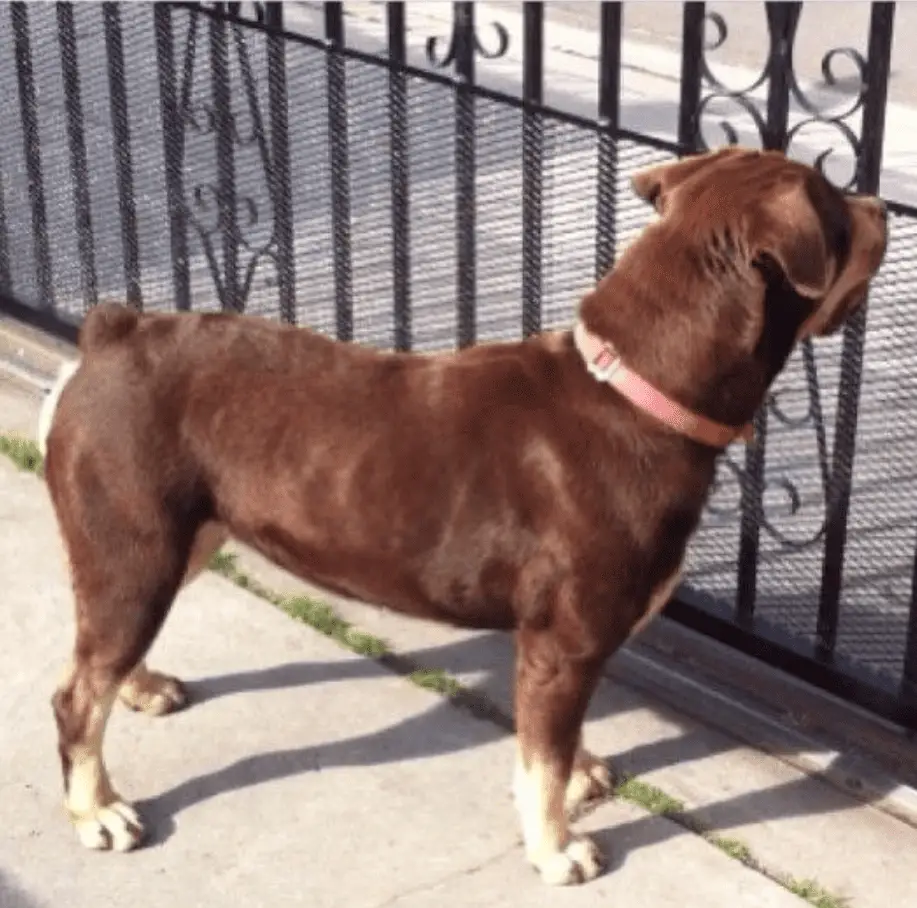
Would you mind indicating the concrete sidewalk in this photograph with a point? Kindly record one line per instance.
(302, 775)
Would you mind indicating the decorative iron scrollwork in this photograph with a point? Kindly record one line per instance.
(239, 10)
(781, 496)
(220, 216)
(783, 23)
(460, 22)
(837, 119)
(721, 92)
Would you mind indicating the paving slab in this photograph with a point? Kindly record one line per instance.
(302, 775)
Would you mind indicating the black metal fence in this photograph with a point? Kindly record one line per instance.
(417, 183)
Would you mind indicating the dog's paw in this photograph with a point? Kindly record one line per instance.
(590, 780)
(114, 827)
(153, 693)
(579, 862)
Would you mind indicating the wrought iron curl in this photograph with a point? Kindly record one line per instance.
(782, 498)
(206, 200)
(721, 92)
(781, 35)
(825, 117)
(781, 493)
(235, 10)
(201, 118)
(788, 499)
(448, 58)
(207, 210)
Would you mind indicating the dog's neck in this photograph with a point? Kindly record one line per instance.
(605, 365)
(696, 336)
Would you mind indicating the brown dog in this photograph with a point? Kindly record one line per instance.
(548, 487)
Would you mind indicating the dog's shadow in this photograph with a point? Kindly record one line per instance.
(418, 736)
(421, 736)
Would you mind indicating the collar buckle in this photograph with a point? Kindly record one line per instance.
(605, 364)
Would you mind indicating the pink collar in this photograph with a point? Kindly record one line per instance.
(605, 365)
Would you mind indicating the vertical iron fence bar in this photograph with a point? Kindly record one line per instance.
(173, 132)
(908, 692)
(6, 281)
(224, 128)
(751, 504)
(398, 150)
(19, 15)
(117, 92)
(79, 171)
(532, 165)
(609, 111)
(782, 21)
(870, 161)
(336, 75)
(692, 55)
(465, 157)
(279, 176)
(869, 164)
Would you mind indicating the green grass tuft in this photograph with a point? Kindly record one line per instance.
(21, 451)
(737, 850)
(224, 563)
(649, 797)
(814, 893)
(437, 681)
(323, 618)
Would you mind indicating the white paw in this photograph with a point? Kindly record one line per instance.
(590, 780)
(579, 862)
(115, 827)
(154, 694)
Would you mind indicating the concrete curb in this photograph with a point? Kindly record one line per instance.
(853, 774)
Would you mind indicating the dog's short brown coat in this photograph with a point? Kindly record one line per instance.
(497, 487)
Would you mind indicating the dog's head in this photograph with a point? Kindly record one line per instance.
(780, 214)
(751, 252)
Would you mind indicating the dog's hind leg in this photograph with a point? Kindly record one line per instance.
(120, 609)
(82, 704)
(553, 688)
(127, 562)
(152, 692)
(113, 632)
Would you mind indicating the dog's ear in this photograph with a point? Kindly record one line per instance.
(653, 184)
(790, 232)
(647, 183)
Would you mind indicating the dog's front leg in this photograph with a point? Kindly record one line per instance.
(552, 692)
(152, 692)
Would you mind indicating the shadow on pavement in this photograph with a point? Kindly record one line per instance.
(420, 736)
(11, 896)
